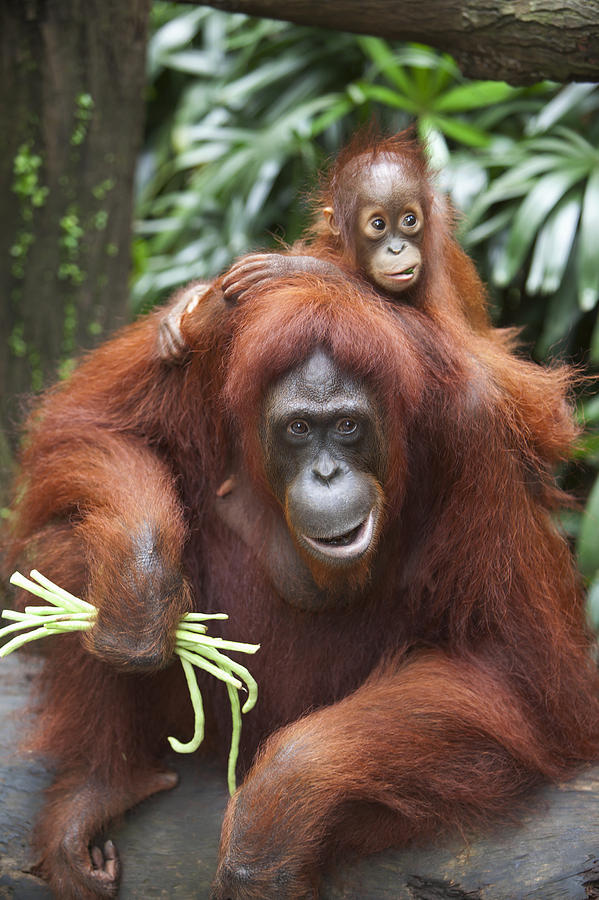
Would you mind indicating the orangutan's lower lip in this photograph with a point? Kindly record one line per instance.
(404, 275)
(348, 545)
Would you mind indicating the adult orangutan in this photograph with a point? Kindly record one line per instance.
(385, 535)
(378, 221)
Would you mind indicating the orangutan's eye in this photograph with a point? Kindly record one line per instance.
(346, 426)
(410, 220)
(298, 428)
(379, 224)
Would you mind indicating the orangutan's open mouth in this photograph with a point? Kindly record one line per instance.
(404, 275)
(349, 544)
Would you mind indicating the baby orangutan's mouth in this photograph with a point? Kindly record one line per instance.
(347, 545)
(404, 274)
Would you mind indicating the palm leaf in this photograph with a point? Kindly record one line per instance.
(588, 250)
(588, 541)
(472, 96)
(543, 197)
(553, 245)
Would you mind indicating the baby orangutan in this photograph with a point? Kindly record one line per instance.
(379, 223)
(373, 225)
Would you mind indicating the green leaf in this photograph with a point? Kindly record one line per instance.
(561, 317)
(193, 62)
(444, 73)
(461, 131)
(473, 96)
(235, 93)
(588, 541)
(198, 156)
(515, 182)
(573, 152)
(436, 146)
(488, 227)
(568, 521)
(573, 137)
(593, 604)
(594, 349)
(531, 213)
(587, 449)
(465, 179)
(298, 121)
(381, 94)
(258, 195)
(419, 56)
(552, 247)
(176, 33)
(521, 106)
(384, 58)
(588, 247)
(559, 107)
(590, 411)
(423, 74)
(337, 111)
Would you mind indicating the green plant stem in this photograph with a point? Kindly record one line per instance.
(44, 593)
(74, 625)
(235, 738)
(198, 709)
(200, 617)
(68, 598)
(189, 634)
(193, 646)
(199, 661)
(238, 669)
(23, 639)
(194, 628)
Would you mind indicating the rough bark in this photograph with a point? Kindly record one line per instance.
(521, 41)
(71, 116)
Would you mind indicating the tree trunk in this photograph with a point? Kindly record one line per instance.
(71, 116)
(522, 41)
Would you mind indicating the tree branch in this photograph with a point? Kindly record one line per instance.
(521, 42)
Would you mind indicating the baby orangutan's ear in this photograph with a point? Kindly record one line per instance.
(329, 217)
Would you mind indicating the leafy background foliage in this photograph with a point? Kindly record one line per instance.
(243, 113)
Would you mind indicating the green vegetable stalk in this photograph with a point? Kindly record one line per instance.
(193, 646)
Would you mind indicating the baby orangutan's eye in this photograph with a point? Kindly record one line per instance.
(378, 224)
(410, 220)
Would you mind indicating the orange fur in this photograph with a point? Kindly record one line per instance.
(459, 677)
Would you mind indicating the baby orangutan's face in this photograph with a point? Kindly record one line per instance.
(388, 224)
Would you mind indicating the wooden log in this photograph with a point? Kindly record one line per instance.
(520, 42)
(169, 843)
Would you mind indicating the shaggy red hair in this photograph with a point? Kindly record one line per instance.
(460, 677)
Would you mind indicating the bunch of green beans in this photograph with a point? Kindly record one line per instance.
(193, 647)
